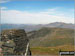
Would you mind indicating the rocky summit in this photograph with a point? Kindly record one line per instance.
(15, 42)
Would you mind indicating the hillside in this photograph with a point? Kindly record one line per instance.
(51, 37)
(46, 41)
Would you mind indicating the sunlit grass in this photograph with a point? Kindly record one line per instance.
(51, 50)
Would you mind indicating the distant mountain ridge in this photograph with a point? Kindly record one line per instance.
(61, 25)
(31, 27)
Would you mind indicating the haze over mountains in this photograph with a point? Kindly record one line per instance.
(31, 27)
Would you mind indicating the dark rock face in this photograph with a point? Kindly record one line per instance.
(14, 42)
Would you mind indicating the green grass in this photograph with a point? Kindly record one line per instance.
(51, 50)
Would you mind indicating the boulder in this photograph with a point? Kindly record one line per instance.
(15, 42)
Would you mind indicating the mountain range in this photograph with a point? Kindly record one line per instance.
(31, 27)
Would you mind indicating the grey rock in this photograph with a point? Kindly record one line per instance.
(14, 42)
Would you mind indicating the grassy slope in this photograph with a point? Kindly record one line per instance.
(51, 37)
(48, 41)
(51, 50)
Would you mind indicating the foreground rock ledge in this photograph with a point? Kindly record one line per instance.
(15, 42)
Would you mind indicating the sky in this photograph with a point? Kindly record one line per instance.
(36, 12)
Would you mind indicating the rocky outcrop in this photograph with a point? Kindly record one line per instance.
(14, 42)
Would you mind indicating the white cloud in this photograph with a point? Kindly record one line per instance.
(15, 16)
(4, 1)
(3, 8)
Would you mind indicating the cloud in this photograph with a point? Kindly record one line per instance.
(4, 1)
(24, 17)
(3, 8)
